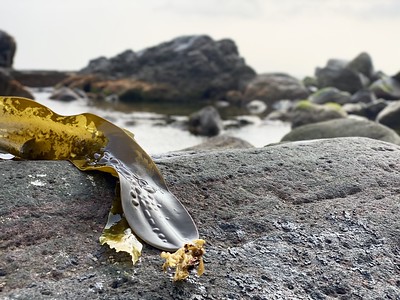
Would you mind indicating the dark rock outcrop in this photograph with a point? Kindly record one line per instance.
(362, 64)
(196, 67)
(273, 87)
(312, 220)
(206, 121)
(8, 47)
(343, 128)
(346, 76)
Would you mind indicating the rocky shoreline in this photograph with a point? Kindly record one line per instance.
(202, 70)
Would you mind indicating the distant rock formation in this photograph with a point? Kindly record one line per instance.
(190, 67)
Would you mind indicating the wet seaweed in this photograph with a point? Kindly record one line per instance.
(30, 130)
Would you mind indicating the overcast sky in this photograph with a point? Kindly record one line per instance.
(292, 36)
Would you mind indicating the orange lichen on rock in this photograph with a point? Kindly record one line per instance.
(185, 259)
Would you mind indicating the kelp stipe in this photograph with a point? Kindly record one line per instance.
(32, 131)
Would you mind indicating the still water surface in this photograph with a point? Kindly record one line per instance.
(159, 128)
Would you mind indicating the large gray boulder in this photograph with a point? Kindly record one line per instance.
(8, 47)
(310, 220)
(196, 67)
(348, 127)
(272, 87)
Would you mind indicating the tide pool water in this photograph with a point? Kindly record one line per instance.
(157, 132)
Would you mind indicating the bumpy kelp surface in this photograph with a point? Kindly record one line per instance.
(32, 131)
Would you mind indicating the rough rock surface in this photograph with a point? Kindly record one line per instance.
(221, 142)
(8, 47)
(343, 128)
(195, 67)
(310, 220)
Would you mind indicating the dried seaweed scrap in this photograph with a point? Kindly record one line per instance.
(32, 131)
(118, 235)
(185, 259)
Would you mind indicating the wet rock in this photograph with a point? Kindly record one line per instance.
(206, 121)
(11, 87)
(306, 220)
(196, 66)
(362, 64)
(363, 96)
(390, 116)
(221, 142)
(67, 94)
(273, 87)
(346, 76)
(367, 110)
(8, 47)
(330, 94)
(386, 87)
(343, 128)
(343, 79)
(305, 112)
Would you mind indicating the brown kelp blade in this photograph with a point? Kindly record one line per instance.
(32, 131)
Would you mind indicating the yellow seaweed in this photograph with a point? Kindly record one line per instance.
(32, 131)
(184, 259)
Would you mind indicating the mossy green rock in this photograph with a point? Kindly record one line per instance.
(330, 94)
(306, 112)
